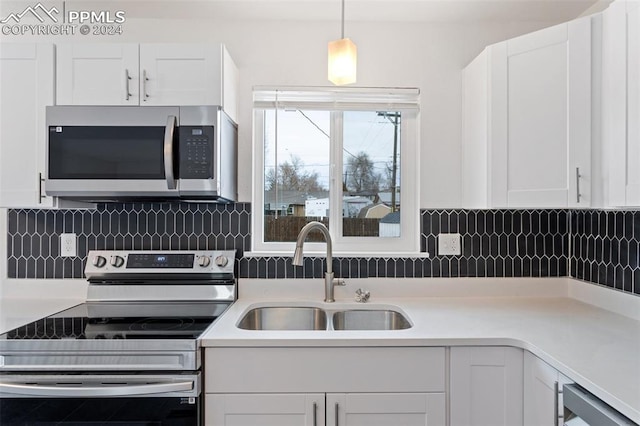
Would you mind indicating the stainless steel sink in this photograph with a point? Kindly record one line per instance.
(378, 319)
(284, 318)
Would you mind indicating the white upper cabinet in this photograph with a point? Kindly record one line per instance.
(621, 101)
(97, 74)
(147, 74)
(26, 74)
(527, 121)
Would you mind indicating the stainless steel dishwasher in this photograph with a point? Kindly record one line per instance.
(582, 408)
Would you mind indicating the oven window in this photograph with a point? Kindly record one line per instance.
(99, 411)
(102, 152)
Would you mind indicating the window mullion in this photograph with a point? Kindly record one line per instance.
(335, 192)
(259, 166)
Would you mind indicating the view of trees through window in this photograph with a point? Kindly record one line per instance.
(297, 172)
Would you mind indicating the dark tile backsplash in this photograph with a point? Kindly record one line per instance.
(33, 235)
(499, 243)
(600, 246)
(605, 248)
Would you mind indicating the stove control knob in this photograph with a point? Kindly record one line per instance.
(222, 261)
(99, 261)
(117, 261)
(204, 261)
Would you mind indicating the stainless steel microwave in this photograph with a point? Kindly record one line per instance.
(126, 152)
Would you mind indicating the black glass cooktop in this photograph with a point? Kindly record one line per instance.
(123, 320)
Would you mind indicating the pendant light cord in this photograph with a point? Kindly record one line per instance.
(342, 19)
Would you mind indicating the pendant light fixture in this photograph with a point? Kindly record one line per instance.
(342, 59)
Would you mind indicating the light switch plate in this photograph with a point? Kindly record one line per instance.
(68, 245)
(449, 244)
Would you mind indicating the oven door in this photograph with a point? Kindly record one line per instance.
(87, 399)
(105, 152)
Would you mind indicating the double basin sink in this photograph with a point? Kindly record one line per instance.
(314, 318)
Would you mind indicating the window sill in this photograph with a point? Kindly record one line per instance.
(366, 255)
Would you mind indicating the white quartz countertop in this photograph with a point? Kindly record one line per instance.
(25, 300)
(595, 347)
(598, 348)
(20, 311)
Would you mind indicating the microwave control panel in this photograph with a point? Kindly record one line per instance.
(196, 152)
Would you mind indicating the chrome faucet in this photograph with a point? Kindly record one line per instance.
(329, 280)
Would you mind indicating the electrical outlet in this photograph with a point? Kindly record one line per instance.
(449, 244)
(68, 245)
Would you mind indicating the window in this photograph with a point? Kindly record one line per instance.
(345, 157)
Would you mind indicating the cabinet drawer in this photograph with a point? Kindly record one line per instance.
(324, 370)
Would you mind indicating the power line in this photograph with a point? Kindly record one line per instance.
(323, 132)
(314, 124)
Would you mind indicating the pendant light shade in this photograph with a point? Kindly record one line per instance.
(343, 55)
(342, 59)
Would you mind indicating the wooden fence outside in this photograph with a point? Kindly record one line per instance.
(286, 228)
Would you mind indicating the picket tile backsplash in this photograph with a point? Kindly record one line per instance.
(606, 248)
(599, 246)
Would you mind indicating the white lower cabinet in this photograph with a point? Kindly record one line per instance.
(325, 386)
(486, 386)
(407, 409)
(542, 393)
(334, 409)
(265, 409)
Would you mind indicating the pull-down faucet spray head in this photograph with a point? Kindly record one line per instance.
(298, 258)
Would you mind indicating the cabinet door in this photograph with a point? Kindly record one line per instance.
(384, 409)
(486, 386)
(264, 409)
(26, 77)
(230, 78)
(475, 185)
(540, 89)
(621, 101)
(97, 74)
(542, 402)
(632, 189)
(180, 74)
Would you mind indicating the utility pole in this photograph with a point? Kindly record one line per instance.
(394, 118)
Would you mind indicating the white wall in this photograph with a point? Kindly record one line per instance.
(429, 56)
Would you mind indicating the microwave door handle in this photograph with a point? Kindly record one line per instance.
(168, 151)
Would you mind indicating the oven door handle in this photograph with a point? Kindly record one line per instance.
(168, 151)
(92, 391)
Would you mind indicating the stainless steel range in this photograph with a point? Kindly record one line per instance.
(130, 354)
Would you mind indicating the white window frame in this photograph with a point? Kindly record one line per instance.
(338, 100)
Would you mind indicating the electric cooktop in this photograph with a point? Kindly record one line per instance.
(123, 320)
